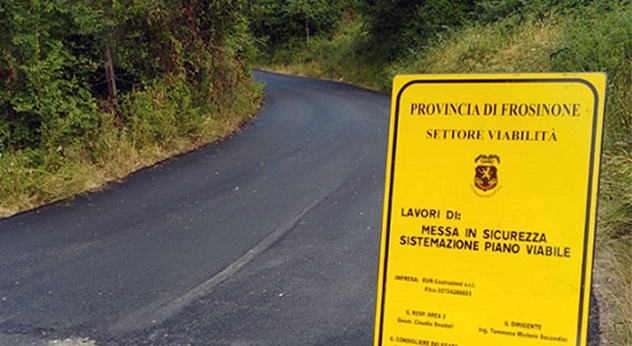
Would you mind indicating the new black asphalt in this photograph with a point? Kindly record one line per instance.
(270, 237)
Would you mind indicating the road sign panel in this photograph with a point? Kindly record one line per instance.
(490, 207)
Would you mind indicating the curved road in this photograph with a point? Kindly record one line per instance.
(268, 238)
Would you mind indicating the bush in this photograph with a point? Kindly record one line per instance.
(398, 26)
(44, 98)
(276, 22)
(182, 68)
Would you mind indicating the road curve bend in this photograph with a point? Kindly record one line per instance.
(270, 237)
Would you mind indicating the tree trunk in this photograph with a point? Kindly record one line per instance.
(111, 77)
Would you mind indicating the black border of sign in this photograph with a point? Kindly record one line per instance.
(593, 143)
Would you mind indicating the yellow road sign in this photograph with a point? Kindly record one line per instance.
(490, 210)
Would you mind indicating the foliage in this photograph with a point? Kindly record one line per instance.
(181, 67)
(488, 11)
(278, 22)
(159, 39)
(43, 94)
(601, 40)
(396, 26)
(51, 59)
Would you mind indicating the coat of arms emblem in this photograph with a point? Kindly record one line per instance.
(486, 173)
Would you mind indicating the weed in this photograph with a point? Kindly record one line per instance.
(159, 123)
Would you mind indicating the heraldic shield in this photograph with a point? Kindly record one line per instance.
(486, 177)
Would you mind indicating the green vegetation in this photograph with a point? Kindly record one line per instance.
(381, 38)
(93, 90)
(282, 22)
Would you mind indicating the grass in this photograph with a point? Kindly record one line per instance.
(613, 258)
(157, 124)
(490, 49)
(339, 58)
(593, 38)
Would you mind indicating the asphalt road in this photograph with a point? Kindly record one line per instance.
(270, 237)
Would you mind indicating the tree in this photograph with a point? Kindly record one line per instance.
(282, 21)
(396, 25)
(43, 97)
(58, 57)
